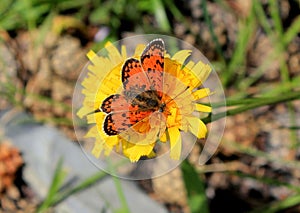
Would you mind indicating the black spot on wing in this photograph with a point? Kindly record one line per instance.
(106, 105)
(109, 127)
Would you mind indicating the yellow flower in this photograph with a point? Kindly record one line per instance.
(181, 93)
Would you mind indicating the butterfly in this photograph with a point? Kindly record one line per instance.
(141, 95)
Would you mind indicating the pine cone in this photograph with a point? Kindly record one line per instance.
(10, 162)
(15, 196)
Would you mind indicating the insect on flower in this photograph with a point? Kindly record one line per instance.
(148, 98)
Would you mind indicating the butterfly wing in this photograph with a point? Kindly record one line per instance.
(121, 115)
(133, 76)
(152, 60)
(114, 103)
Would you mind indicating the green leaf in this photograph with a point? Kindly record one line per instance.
(195, 189)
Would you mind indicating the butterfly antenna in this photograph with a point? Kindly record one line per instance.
(95, 111)
(178, 95)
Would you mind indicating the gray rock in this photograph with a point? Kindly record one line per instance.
(42, 146)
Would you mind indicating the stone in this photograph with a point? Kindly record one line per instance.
(42, 147)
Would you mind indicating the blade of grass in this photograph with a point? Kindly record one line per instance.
(231, 168)
(275, 100)
(88, 182)
(294, 143)
(279, 205)
(44, 29)
(292, 32)
(67, 4)
(284, 72)
(274, 10)
(238, 59)
(247, 82)
(284, 87)
(160, 15)
(6, 7)
(261, 16)
(294, 127)
(195, 189)
(175, 11)
(266, 180)
(271, 91)
(236, 63)
(278, 53)
(58, 178)
(208, 21)
(124, 206)
(234, 146)
(275, 34)
(238, 102)
(263, 20)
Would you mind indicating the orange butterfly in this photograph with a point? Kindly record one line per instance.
(141, 95)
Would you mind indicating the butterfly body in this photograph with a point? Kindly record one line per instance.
(148, 100)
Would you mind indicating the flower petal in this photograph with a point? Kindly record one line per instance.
(111, 141)
(201, 93)
(163, 138)
(84, 111)
(151, 155)
(139, 50)
(113, 54)
(134, 151)
(94, 58)
(92, 133)
(203, 108)
(181, 56)
(175, 143)
(202, 71)
(123, 52)
(91, 54)
(196, 126)
(97, 149)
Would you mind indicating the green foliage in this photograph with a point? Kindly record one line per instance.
(195, 189)
(118, 15)
(128, 15)
(28, 14)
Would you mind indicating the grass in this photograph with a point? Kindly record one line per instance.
(38, 15)
(195, 188)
